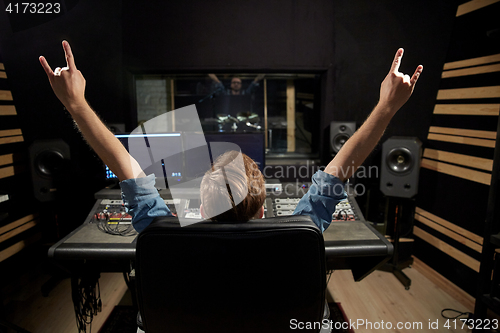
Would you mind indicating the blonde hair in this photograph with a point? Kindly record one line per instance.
(233, 189)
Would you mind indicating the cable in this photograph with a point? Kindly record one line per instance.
(86, 296)
(468, 314)
(329, 273)
(117, 228)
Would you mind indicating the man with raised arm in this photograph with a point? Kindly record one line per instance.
(142, 199)
(236, 87)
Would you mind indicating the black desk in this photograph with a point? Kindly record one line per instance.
(353, 245)
(357, 246)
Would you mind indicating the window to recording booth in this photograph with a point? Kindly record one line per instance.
(285, 107)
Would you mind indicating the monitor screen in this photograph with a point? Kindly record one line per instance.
(198, 158)
(109, 173)
(188, 156)
(158, 153)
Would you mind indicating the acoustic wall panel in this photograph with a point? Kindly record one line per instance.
(19, 227)
(458, 155)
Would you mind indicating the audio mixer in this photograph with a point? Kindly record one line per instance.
(279, 205)
(111, 217)
(282, 199)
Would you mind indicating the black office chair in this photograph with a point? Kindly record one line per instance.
(257, 276)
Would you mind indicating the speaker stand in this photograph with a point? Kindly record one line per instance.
(395, 266)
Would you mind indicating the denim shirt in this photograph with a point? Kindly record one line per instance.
(325, 192)
(142, 201)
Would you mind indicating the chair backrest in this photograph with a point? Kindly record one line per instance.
(255, 276)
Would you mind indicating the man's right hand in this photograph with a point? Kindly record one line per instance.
(397, 87)
(68, 83)
(395, 90)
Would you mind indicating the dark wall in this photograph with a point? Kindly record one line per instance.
(352, 42)
(229, 35)
(367, 36)
(94, 30)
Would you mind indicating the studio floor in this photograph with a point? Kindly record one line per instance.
(377, 300)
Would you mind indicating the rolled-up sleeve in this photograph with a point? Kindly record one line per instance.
(319, 202)
(142, 201)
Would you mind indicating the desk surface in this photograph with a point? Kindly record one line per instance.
(353, 245)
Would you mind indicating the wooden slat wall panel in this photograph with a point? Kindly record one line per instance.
(450, 233)
(472, 71)
(5, 95)
(7, 110)
(11, 171)
(17, 231)
(448, 249)
(473, 5)
(462, 140)
(10, 251)
(11, 132)
(465, 160)
(290, 116)
(464, 132)
(468, 109)
(469, 93)
(6, 159)
(472, 62)
(17, 223)
(11, 139)
(453, 170)
(458, 155)
(464, 232)
(265, 114)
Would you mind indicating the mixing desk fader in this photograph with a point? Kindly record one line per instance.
(346, 210)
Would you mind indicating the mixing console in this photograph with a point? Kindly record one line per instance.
(346, 210)
(111, 217)
(282, 199)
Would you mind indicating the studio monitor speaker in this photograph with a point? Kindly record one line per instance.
(400, 166)
(340, 132)
(50, 162)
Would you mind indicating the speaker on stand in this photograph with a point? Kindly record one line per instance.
(50, 166)
(400, 168)
(340, 132)
(50, 163)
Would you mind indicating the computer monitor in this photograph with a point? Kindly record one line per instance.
(109, 173)
(198, 158)
(158, 153)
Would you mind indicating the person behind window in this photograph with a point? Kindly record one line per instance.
(236, 85)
